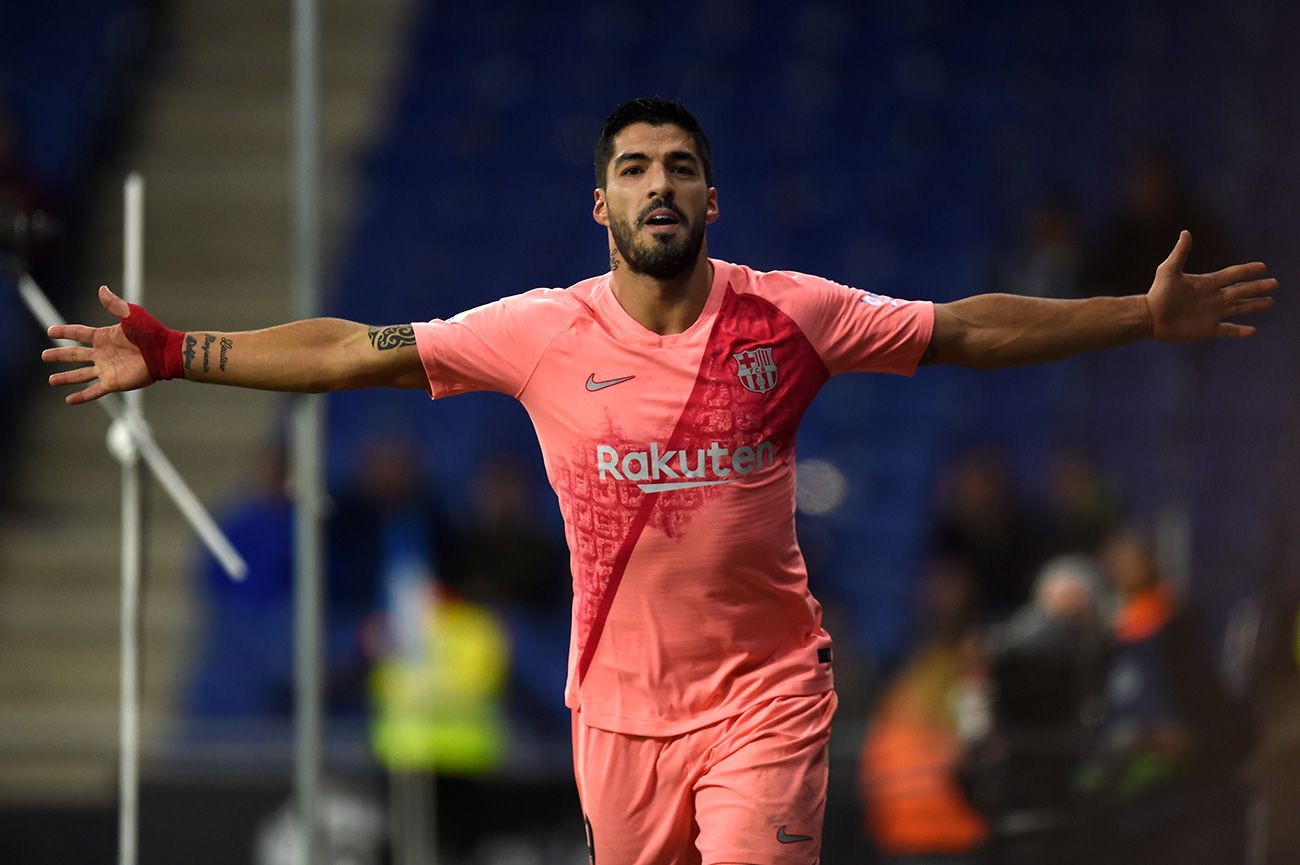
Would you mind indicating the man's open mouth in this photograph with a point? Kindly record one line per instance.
(662, 216)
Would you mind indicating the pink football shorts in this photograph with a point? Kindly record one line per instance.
(747, 789)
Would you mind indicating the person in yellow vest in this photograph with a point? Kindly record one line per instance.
(439, 708)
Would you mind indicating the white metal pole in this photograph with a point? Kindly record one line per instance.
(128, 821)
(307, 423)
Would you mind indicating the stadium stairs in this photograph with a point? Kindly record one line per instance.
(213, 144)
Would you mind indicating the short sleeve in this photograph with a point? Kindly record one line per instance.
(858, 331)
(492, 347)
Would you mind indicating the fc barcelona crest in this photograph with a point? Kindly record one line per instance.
(756, 369)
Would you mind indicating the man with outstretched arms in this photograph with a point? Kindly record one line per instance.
(666, 395)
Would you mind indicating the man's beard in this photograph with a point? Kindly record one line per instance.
(662, 257)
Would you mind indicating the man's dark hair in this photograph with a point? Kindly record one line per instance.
(656, 112)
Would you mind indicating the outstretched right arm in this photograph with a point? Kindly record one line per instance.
(312, 356)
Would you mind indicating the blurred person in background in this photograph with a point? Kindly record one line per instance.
(388, 542)
(1156, 201)
(666, 394)
(507, 562)
(1047, 257)
(982, 520)
(243, 667)
(916, 810)
(1084, 505)
(1048, 670)
(435, 657)
(1166, 771)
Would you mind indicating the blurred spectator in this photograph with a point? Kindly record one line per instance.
(442, 654)
(510, 562)
(1084, 506)
(1047, 680)
(504, 554)
(389, 539)
(244, 667)
(437, 685)
(1172, 743)
(982, 522)
(1157, 204)
(915, 810)
(1047, 260)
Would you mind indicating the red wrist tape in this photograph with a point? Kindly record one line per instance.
(160, 346)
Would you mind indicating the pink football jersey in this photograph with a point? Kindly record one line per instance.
(673, 460)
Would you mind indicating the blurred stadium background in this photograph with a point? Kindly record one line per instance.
(928, 150)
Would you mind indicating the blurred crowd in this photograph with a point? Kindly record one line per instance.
(1062, 703)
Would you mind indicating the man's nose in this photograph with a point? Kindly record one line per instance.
(660, 185)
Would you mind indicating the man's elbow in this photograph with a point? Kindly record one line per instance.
(957, 342)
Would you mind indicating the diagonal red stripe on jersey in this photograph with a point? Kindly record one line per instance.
(743, 321)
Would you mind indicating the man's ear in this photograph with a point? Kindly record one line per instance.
(599, 211)
(711, 206)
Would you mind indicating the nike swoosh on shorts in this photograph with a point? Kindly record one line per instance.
(790, 839)
(594, 385)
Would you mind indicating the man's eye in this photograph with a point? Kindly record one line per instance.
(631, 169)
(685, 171)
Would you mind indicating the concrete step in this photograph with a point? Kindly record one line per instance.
(257, 125)
(83, 618)
(49, 672)
(56, 778)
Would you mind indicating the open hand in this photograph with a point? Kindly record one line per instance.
(113, 363)
(1186, 307)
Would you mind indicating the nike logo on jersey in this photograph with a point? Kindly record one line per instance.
(594, 385)
(790, 839)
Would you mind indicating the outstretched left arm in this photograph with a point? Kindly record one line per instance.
(990, 331)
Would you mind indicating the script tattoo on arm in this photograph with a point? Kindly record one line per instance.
(208, 339)
(225, 346)
(190, 342)
(394, 336)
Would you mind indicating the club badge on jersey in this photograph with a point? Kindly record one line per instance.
(756, 369)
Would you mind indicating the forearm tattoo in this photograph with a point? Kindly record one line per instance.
(208, 339)
(394, 336)
(188, 354)
(225, 346)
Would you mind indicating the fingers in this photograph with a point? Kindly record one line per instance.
(1244, 290)
(114, 304)
(68, 354)
(1237, 273)
(1227, 330)
(80, 375)
(1246, 307)
(77, 332)
(94, 392)
(1178, 256)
